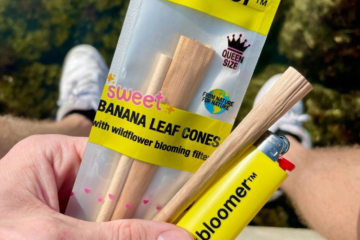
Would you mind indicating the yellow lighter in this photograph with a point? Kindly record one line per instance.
(227, 206)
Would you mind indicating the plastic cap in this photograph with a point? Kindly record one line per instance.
(286, 165)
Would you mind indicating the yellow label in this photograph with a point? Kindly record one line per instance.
(156, 133)
(255, 15)
(228, 205)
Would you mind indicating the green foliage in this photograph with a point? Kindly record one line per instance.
(335, 117)
(34, 98)
(323, 38)
(36, 35)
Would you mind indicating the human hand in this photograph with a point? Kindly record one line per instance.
(36, 178)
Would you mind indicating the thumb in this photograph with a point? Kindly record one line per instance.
(138, 230)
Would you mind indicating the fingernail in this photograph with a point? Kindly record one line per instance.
(171, 235)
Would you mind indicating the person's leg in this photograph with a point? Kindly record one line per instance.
(14, 129)
(325, 189)
(82, 80)
(325, 186)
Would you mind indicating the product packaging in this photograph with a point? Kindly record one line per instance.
(176, 83)
(227, 206)
(288, 90)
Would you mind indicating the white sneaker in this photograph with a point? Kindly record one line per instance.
(83, 78)
(291, 122)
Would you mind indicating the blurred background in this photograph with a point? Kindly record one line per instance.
(320, 38)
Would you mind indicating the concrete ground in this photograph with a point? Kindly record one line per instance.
(270, 233)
